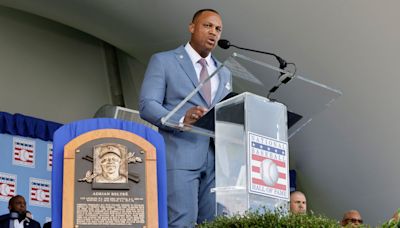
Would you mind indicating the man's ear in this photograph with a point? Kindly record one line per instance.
(191, 28)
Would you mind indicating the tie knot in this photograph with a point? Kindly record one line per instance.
(203, 62)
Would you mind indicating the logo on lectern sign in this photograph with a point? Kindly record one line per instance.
(268, 162)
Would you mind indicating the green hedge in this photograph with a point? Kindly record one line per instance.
(393, 222)
(271, 219)
(282, 220)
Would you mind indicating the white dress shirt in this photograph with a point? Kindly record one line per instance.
(18, 224)
(211, 67)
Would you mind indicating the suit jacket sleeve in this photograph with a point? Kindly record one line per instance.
(152, 93)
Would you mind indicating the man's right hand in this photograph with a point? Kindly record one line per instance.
(194, 114)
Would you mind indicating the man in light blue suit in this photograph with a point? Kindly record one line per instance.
(169, 78)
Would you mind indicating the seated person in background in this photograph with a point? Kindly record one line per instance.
(298, 203)
(47, 225)
(17, 216)
(352, 218)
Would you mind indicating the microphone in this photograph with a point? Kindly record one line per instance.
(283, 78)
(225, 44)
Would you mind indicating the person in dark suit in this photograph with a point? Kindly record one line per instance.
(169, 78)
(47, 225)
(17, 216)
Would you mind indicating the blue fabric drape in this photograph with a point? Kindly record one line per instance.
(27, 126)
(70, 131)
(292, 178)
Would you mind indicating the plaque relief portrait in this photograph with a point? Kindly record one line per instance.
(110, 164)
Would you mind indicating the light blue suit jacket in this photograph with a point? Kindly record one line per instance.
(169, 78)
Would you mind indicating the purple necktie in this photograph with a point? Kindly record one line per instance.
(203, 76)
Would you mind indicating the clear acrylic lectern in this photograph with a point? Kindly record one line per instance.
(252, 131)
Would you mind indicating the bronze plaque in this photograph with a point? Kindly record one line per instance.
(114, 181)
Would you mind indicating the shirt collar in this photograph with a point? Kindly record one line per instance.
(22, 221)
(194, 56)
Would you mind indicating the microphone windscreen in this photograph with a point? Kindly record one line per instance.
(224, 44)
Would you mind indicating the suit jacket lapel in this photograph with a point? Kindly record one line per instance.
(186, 64)
(222, 91)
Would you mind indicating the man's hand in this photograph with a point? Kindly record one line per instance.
(194, 114)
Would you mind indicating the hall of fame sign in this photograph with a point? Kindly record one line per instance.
(268, 166)
(8, 186)
(39, 192)
(23, 152)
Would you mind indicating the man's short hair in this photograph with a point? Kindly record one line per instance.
(10, 202)
(197, 14)
(297, 192)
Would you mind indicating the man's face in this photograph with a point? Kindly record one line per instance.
(18, 205)
(206, 31)
(298, 203)
(110, 163)
(353, 218)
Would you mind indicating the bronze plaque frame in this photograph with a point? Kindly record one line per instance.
(69, 177)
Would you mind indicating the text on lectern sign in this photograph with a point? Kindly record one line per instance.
(268, 164)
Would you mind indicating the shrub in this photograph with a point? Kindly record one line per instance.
(393, 222)
(279, 219)
(271, 219)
